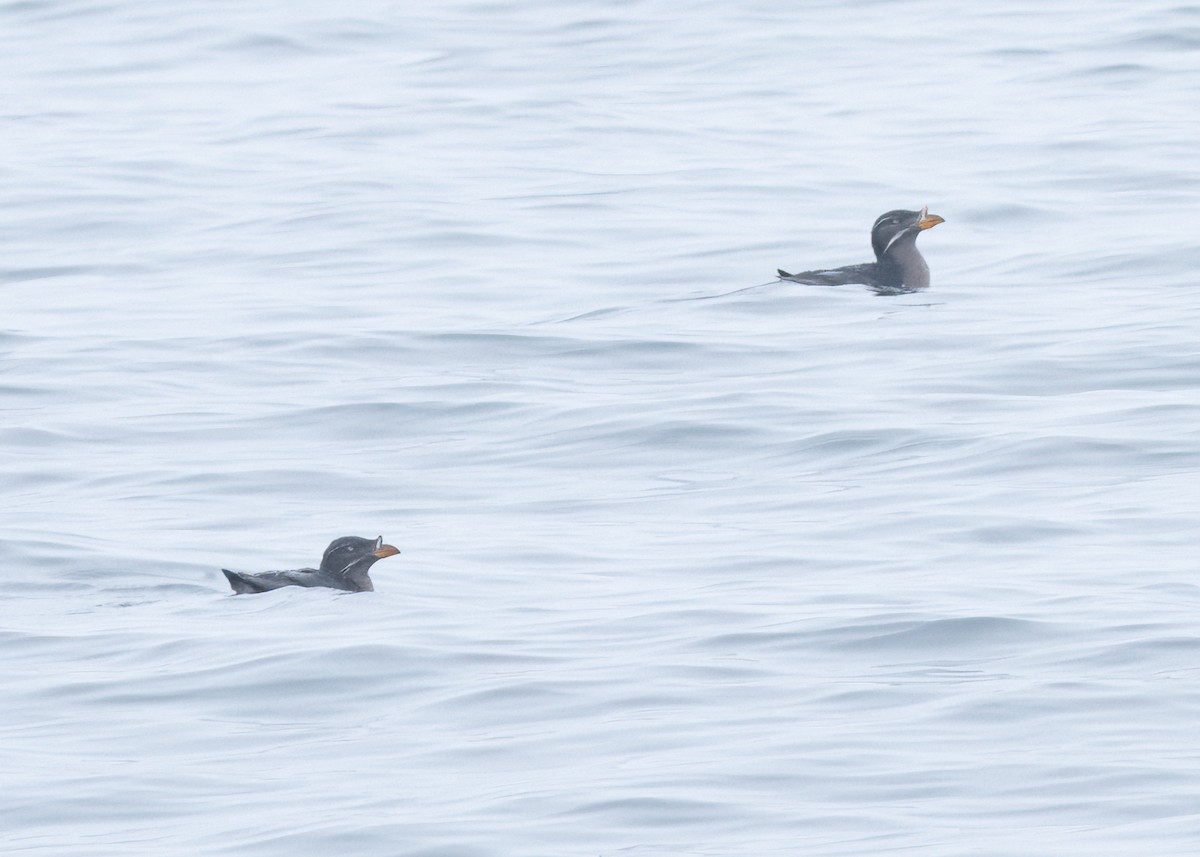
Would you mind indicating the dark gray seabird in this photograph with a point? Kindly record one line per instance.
(898, 266)
(344, 566)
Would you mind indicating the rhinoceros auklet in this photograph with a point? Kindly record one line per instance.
(898, 265)
(344, 566)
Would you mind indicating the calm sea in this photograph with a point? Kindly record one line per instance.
(694, 562)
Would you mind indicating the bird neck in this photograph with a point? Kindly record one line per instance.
(356, 574)
(903, 264)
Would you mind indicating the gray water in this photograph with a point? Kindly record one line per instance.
(694, 562)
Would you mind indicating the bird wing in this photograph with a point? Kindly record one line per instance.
(268, 580)
(849, 275)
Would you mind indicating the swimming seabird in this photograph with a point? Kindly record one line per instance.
(898, 265)
(345, 565)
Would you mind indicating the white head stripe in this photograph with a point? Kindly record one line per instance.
(896, 238)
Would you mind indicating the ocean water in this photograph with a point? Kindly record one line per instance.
(694, 562)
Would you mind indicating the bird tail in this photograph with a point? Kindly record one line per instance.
(782, 273)
(239, 584)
